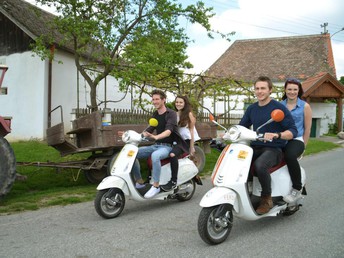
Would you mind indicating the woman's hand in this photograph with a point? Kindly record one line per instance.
(192, 151)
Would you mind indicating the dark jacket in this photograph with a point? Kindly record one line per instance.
(171, 124)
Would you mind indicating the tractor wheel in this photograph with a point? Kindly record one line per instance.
(7, 167)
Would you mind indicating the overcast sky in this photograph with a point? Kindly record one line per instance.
(251, 19)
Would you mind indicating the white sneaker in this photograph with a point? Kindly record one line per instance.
(152, 192)
(293, 196)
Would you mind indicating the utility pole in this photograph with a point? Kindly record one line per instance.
(324, 26)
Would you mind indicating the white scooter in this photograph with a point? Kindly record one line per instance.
(231, 194)
(110, 198)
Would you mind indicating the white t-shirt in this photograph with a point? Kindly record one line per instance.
(185, 133)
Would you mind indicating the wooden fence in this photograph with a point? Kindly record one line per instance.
(127, 116)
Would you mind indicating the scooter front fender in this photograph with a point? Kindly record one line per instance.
(113, 182)
(220, 195)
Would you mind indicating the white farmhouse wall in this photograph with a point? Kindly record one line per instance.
(66, 86)
(26, 99)
(325, 113)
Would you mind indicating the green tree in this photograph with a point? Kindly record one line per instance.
(138, 41)
(341, 80)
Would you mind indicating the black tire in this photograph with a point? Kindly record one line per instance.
(7, 167)
(109, 203)
(188, 195)
(199, 158)
(211, 231)
(290, 210)
(95, 176)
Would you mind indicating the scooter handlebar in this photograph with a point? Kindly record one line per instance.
(260, 137)
(146, 138)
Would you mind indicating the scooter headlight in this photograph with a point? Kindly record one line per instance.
(126, 136)
(233, 133)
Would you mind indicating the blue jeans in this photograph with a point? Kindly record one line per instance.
(157, 152)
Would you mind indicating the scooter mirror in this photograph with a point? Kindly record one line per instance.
(277, 115)
(153, 122)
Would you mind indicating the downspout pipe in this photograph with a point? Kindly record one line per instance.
(50, 75)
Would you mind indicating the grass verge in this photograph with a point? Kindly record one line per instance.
(46, 187)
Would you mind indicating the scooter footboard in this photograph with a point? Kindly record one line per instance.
(220, 195)
(113, 182)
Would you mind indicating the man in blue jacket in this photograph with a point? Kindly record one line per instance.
(268, 153)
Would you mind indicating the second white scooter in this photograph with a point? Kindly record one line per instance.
(110, 198)
(231, 194)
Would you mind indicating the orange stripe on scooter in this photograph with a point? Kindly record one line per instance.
(218, 163)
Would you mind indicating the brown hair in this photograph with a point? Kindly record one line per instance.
(293, 81)
(184, 118)
(264, 79)
(159, 92)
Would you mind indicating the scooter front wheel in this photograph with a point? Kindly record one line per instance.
(109, 203)
(215, 223)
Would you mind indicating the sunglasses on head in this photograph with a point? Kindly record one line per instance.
(293, 80)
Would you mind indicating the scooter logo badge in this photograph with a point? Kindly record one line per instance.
(131, 153)
(242, 154)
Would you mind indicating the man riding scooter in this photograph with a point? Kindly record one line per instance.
(166, 135)
(267, 153)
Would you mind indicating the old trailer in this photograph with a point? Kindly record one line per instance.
(94, 134)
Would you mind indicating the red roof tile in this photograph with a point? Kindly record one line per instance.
(279, 58)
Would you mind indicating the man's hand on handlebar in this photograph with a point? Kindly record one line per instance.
(270, 136)
(149, 136)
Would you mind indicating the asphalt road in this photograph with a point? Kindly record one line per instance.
(169, 228)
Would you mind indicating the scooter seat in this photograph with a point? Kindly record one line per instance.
(273, 169)
(164, 161)
(281, 164)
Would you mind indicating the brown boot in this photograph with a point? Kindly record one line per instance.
(265, 205)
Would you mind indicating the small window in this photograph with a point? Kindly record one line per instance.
(3, 91)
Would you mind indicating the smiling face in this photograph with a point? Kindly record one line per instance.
(179, 103)
(158, 102)
(292, 91)
(262, 92)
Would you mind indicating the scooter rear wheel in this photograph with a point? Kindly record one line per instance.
(191, 188)
(199, 158)
(109, 203)
(215, 223)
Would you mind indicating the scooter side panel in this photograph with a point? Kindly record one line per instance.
(220, 195)
(187, 170)
(113, 182)
(280, 182)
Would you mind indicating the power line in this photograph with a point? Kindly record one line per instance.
(299, 22)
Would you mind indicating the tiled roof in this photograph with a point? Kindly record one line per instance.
(323, 85)
(31, 19)
(279, 58)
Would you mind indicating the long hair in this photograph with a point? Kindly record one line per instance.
(293, 81)
(184, 118)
